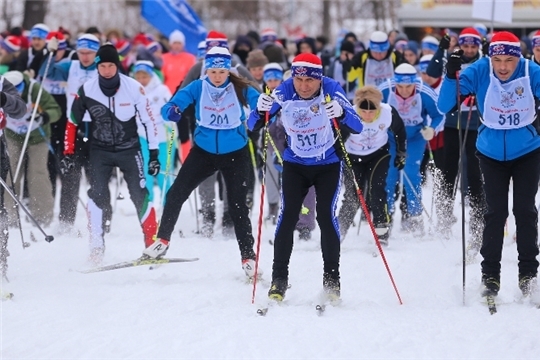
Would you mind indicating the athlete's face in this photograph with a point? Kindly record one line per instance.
(504, 66)
(368, 116)
(217, 76)
(38, 43)
(273, 83)
(256, 72)
(410, 56)
(379, 55)
(86, 57)
(469, 51)
(405, 90)
(536, 51)
(107, 69)
(305, 86)
(143, 77)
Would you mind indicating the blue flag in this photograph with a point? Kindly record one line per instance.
(170, 15)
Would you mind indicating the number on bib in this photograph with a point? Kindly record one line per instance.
(219, 120)
(513, 119)
(307, 139)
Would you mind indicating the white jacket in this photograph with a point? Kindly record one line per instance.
(158, 94)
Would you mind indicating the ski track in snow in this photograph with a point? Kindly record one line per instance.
(203, 310)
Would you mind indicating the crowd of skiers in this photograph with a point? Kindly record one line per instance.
(307, 119)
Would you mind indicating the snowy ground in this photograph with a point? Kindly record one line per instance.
(203, 310)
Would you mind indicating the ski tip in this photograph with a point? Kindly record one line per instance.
(262, 311)
(7, 296)
(320, 309)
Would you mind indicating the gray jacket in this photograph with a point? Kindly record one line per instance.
(14, 107)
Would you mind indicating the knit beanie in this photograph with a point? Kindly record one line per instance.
(62, 44)
(504, 43)
(430, 43)
(16, 78)
(424, 62)
(39, 31)
(153, 47)
(177, 36)
(11, 44)
(347, 46)
(217, 58)
(378, 42)
(405, 74)
(88, 42)
(215, 38)
(269, 35)
(123, 47)
(536, 39)
(469, 36)
(256, 58)
(272, 71)
(144, 65)
(308, 65)
(107, 53)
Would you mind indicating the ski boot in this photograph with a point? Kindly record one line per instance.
(383, 233)
(278, 289)
(491, 284)
(305, 234)
(331, 287)
(248, 265)
(527, 284)
(157, 250)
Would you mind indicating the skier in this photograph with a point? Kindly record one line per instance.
(113, 101)
(32, 59)
(310, 159)
(370, 157)
(414, 102)
(220, 143)
(508, 147)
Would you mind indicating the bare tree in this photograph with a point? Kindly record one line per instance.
(34, 12)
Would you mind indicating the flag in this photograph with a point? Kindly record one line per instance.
(170, 15)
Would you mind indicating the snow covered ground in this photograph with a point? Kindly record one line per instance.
(203, 310)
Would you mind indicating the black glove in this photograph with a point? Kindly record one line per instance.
(67, 164)
(444, 44)
(41, 119)
(399, 161)
(454, 64)
(3, 99)
(153, 164)
(485, 47)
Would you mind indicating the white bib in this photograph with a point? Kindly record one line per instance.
(20, 126)
(76, 78)
(378, 71)
(510, 105)
(219, 107)
(54, 87)
(409, 109)
(308, 127)
(374, 135)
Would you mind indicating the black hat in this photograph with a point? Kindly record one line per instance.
(347, 46)
(107, 53)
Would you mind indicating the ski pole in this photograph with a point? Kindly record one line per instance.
(363, 203)
(261, 206)
(463, 245)
(167, 166)
(34, 112)
(418, 198)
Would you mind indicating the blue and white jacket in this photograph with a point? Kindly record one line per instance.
(498, 144)
(286, 95)
(220, 141)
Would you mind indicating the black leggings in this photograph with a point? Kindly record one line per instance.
(199, 165)
(296, 181)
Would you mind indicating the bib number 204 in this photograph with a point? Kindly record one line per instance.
(512, 119)
(219, 120)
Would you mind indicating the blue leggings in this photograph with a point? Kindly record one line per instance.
(161, 177)
(415, 151)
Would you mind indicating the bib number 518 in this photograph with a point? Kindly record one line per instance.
(512, 119)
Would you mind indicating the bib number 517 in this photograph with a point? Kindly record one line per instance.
(512, 119)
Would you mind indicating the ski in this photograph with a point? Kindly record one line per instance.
(320, 309)
(262, 311)
(492, 306)
(139, 262)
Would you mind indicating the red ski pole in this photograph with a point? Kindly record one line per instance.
(363, 203)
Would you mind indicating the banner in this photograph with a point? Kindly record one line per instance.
(169, 15)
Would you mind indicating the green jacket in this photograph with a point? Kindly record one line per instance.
(47, 104)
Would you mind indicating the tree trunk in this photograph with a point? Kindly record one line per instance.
(326, 27)
(34, 12)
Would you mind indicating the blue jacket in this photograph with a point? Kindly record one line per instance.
(59, 71)
(286, 92)
(211, 140)
(429, 105)
(497, 144)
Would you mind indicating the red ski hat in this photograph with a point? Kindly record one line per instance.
(469, 36)
(216, 38)
(11, 44)
(309, 65)
(62, 44)
(141, 38)
(536, 39)
(505, 43)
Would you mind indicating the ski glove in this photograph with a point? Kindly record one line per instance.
(174, 114)
(153, 164)
(41, 119)
(444, 44)
(67, 164)
(264, 103)
(454, 64)
(427, 132)
(333, 109)
(52, 44)
(485, 47)
(399, 161)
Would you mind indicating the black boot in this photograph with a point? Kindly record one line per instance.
(527, 283)
(332, 286)
(491, 283)
(278, 289)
